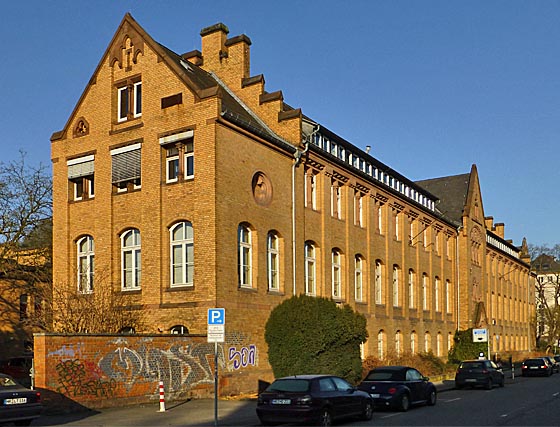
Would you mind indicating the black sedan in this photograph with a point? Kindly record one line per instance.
(479, 372)
(536, 366)
(398, 387)
(312, 399)
(18, 404)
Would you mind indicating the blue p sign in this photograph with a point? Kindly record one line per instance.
(216, 316)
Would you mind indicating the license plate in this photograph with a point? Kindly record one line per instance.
(534, 367)
(15, 401)
(281, 401)
(375, 395)
(470, 380)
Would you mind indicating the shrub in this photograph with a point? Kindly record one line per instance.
(313, 335)
(427, 363)
(464, 348)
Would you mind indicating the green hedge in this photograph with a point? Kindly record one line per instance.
(308, 335)
(464, 348)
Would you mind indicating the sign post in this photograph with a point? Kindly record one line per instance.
(216, 334)
(481, 335)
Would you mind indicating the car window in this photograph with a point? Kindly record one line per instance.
(326, 384)
(294, 385)
(384, 376)
(472, 365)
(493, 365)
(413, 375)
(7, 382)
(341, 384)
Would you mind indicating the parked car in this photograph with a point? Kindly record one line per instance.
(18, 368)
(18, 404)
(312, 399)
(472, 373)
(555, 365)
(536, 366)
(398, 387)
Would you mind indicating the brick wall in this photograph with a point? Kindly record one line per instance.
(113, 370)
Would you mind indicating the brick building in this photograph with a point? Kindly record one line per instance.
(183, 184)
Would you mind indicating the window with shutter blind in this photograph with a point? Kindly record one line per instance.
(126, 167)
(81, 178)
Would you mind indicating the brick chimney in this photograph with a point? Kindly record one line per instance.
(499, 229)
(489, 222)
(228, 58)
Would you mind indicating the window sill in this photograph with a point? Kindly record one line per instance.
(180, 288)
(275, 292)
(126, 126)
(131, 291)
(247, 289)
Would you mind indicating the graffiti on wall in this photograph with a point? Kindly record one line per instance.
(244, 357)
(179, 367)
(77, 378)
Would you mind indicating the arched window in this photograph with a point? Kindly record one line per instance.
(127, 330)
(381, 345)
(425, 304)
(378, 282)
(396, 285)
(86, 258)
(245, 256)
(273, 261)
(131, 260)
(413, 342)
(179, 330)
(358, 278)
(411, 286)
(427, 342)
(182, 254)
(310, 269)
(336, 275)
(398, 343)
(436, 293)
(439, 345)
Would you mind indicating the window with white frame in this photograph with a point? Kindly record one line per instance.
(425, 291)
(181, 239)
(126, 167)
(381, 344)
(397, 224)
(179, 330)
(380, 219)
(245, 256)
(437, 293)
(131, 260)
(378, 282)
(273, 261)
(411, 286)
(81, 178)
(413, 342)
(336, 199)
(447, 296)
(396, 285)
(398, 343)
(358, 208)
(427, 342)
(358, 278)
(311, 189)
(129, 100)
(336, 275)
(179, 156)
(86, 258)
(310, 267)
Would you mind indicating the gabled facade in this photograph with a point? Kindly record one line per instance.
(180, 182)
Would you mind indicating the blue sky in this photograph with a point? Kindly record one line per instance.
(432, 86)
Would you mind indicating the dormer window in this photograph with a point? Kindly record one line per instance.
(129, 100)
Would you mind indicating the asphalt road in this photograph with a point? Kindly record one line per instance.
(523, 402)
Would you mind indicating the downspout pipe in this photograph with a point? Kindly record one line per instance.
(298, 156)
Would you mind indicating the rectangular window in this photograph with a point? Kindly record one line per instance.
(172, 165)
(358, 288)
(126, 167)
(378, 284)
(179, 156)
(336, 200)
(81, 177)
(358, 209)
(336, 276)
(129, 101)
(311, 189)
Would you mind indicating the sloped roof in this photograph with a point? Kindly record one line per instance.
(545, 263)
(452, 194)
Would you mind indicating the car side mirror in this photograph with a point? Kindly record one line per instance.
(426, 378)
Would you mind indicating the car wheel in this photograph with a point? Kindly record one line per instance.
(458, 386)
(489, 384)
(368, 411)
(325, 419)
(404, 403)
(432, 397)
(23, 422)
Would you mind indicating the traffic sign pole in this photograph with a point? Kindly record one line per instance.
(216, 334)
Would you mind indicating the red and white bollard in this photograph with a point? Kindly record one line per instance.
(161, 398)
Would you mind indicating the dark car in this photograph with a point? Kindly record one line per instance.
(536, 366)
(472, 373)
(18, 368)
(555, 365)
(398, 387)
(312, 399)
(18, 404)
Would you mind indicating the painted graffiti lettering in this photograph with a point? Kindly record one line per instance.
(79, 379)
(244, 357)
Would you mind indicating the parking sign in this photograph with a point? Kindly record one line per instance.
(216, 324)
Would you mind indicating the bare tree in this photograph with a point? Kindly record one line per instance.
(548, 309)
